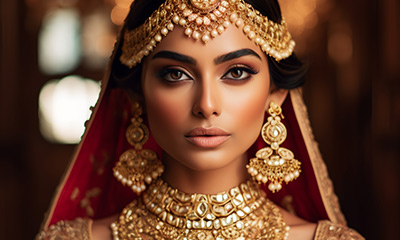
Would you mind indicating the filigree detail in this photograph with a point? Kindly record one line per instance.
(204, 20)
(167, 213)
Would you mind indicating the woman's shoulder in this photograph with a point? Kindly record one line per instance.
(101, 228)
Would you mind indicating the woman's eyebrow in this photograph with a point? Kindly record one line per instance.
(235, 54)
(175, 56)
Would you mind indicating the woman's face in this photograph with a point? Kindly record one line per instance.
(205, 102)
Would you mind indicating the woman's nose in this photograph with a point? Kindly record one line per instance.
(207, 100)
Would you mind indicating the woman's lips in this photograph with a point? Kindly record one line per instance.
(207, 137)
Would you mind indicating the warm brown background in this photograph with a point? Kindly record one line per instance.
(354, 105)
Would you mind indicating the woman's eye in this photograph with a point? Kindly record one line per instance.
(174, 75)
(239, 73)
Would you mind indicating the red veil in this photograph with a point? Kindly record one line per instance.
(89, 189)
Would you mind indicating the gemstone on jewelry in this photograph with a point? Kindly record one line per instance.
(217, 13)
(196, 35)
(182, 22)
(217, 224)
(206, 21)
(164, 31)
(219, 198)
(239, 22)
(205, 38)
(188, 32)
(182, 6)
(251, 35)
(192, 17)
(240, 213)
(196, 224)
(225, 4)
(238, 200)
(149, 47)
(213, 17)
(233, 17)
(220, 29)
(246, 29)
(209, 224)
(265, 179)
(158, 38)
(175, 19)
(287, 178)
(187, 12)
(259, 177)
(210, 216)
(271, 187)
(170, 26)
(199, 20)
(222, 9)
(228, 207)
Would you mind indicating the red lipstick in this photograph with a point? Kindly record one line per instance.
(207, 137)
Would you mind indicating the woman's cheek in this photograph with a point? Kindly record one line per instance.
(165, 110)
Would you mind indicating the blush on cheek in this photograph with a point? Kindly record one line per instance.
(251, 114)
(164, 113)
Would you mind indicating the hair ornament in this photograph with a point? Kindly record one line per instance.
(204, 20)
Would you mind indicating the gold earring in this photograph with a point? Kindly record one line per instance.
(274, 164)
(137, 166)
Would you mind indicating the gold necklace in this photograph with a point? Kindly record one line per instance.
(163, 212)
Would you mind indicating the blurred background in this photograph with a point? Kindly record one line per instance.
(54, 49)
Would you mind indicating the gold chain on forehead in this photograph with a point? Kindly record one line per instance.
(204, 20)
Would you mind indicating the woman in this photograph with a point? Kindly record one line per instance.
(205, 76)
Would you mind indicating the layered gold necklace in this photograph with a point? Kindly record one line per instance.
(163, 212)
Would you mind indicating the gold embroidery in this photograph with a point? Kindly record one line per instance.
(67, 230)
(325, 185)
(99, 166)
(74, 194)
(328, 230)
(85, 202)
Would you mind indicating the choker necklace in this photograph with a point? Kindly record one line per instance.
(163, 212)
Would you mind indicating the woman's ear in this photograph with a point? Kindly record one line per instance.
(277, 95)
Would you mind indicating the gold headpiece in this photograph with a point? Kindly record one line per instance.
(206, 19)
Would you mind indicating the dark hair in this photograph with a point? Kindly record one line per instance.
(288, 73)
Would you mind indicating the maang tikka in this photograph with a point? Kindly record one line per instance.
(137, 166)
(273, 163)
(204, 20)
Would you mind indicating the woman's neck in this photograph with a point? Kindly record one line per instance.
(212, 181)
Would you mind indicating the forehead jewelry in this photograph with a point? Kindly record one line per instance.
(204, 20)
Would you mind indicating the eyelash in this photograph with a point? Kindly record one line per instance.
(247, 70)
(166, 74)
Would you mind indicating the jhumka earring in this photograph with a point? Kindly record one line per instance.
(137, 166)
(274, 164)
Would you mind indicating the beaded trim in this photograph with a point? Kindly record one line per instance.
(204, 20)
